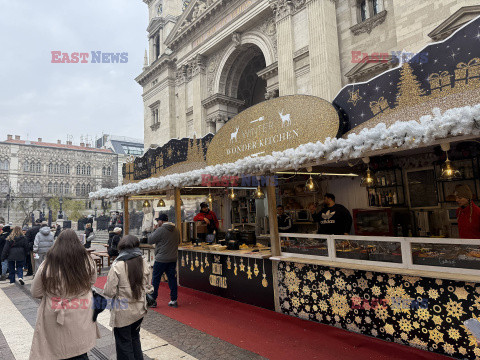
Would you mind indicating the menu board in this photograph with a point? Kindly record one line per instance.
(422, 188)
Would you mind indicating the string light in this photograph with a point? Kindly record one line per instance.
(161, 203)
(449, 172)
(259, 194)
(369, 180)
(210, 198)
(311, 186)
(146, 203)
(232, 195)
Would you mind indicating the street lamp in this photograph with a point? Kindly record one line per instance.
(60, 213)
(9, 199)
(43, 212)
(95, 212)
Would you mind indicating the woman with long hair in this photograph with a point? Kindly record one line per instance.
(15, 250)
(65, 328)
(128, 282)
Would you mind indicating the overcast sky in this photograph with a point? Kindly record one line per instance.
(48, 100)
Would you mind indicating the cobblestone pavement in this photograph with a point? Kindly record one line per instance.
(162, 337)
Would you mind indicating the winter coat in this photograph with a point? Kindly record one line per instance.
(58, 230)
(62, 332)
(16, 250)
(469, 221)
(43, 241)
(211, 216)
(127, 310)
(166, 239)
(3, 240)
(31, 234)
(113, 241)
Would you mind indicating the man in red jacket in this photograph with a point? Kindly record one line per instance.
(208, 217)
(468, 214)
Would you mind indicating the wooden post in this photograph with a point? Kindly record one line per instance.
(126, 219)
(272, 220)
(178, 211)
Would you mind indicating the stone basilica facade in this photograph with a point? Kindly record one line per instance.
(210, 59)
(35, 171)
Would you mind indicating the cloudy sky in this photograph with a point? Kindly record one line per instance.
(42, 99)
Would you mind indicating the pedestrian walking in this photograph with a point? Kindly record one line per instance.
(113, 241)
(30, 235)
(15, 250)
(42, 243)
(58, 230)
(166, 238)
(4, 232)
(64, 327)
(89, 235)
(128, 282)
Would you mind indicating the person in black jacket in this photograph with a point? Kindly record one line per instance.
(113, 242)
(4, 232)
(58, 230)
(15, 251)
(88, 232)
(284, 221)
(30, 236)
(333, 219)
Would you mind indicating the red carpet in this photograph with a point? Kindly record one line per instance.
(278, 336)
(101, 281)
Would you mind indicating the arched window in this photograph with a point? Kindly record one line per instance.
(50, 168)
(61, 189)
(109, 171)
(89, 170)
(26, 166)
(104, 171)
(38, 168)
(55, 188)
(67, 169)
(78, 190)
(66, 189)
(3, 187)
(62, 169)
(50, 188)
(363, 10)
(56, 169)
(32, 167)
(84, 189)
(79, 169)
(4, 165)
(89, 189)
(83, 169)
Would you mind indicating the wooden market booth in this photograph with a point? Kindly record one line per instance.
(401, 284)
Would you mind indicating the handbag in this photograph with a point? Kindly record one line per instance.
(100, 303)
(150, 300)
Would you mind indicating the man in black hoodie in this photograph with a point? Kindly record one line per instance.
(166, 238)
(333, 219)
(30, 236)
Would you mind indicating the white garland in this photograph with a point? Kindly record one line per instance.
(407, 134)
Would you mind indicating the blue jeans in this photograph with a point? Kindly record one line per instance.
(4, 267)
(171, 270)
(11, 270)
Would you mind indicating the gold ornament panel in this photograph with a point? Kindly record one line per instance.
(425, 313)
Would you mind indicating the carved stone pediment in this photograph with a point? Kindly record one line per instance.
(366, 70)
(459, 18)
(368, 25)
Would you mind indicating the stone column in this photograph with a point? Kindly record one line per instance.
(325, 73)
(286, 67)
(180, 83)
(199, 83)
(220, 121)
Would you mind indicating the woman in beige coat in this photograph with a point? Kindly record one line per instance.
(128, 282)
(65, 327)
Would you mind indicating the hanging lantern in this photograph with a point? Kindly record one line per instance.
(259, 193)
(210, 198)
(232, 195)
(161, 203)
(449, 172)
(310, 185)
(368, 180)
(146, 203)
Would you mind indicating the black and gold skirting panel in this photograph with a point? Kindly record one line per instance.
(422, 312)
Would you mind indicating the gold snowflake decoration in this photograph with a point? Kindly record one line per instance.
(376, 290)
(405, 325)
(339, 304)
(381, 313)
(389, 329)
(437, 320)
(420, 290)
(454, 333)
(433, 294)
(323, 288)
(436, 336)
(423, 314)
(311, 275)
(327, 275)
(461, 293)
(454, 309)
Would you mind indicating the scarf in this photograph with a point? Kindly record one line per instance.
(128, 254)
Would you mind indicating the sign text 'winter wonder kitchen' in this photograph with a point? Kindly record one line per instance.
(275, 125)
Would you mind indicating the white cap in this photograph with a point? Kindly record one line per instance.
(117, 230)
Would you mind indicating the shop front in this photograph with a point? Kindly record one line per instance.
(393, 152)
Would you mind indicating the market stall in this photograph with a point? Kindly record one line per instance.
(392, 150)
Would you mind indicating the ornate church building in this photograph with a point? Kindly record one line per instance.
(208, 60)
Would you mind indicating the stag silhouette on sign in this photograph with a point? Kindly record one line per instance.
(233, 135)
(285, 119)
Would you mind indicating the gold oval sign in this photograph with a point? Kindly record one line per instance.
(275, 125)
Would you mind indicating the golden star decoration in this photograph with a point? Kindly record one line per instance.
(242, 266)
(354, 97)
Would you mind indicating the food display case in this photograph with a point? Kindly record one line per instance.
(373, 222)
(309, 246)
(465, 256)
(369, 250)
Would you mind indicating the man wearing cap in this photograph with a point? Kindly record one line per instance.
(166, 238)
(113, 241)
(207, 216)
(468, 214)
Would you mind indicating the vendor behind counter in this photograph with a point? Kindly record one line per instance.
(332, 219)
